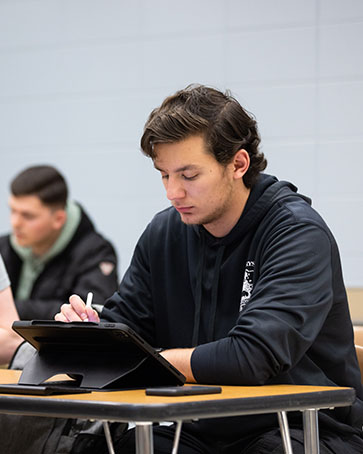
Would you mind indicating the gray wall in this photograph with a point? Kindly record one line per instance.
(79, 77)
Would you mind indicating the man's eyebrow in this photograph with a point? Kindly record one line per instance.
(180, 169)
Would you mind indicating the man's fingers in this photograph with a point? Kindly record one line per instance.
(66, 314)
(69, 314)
(76, 311)
(60, 317)
(79, 307)
(92, 315)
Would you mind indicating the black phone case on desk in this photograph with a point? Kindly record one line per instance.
(187, 390)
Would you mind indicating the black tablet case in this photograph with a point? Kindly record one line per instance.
(97, 355)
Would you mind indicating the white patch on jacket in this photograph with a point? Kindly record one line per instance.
(247, 284)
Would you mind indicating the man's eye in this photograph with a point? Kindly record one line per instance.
(164, 177)
(192, 177)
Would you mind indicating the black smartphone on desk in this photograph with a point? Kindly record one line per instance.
(183, 390)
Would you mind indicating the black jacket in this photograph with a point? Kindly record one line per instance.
(264, 304)
(75, 270)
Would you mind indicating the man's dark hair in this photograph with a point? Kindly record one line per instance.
(44, 182)
(218, 117)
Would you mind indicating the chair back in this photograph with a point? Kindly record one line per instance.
(359, 352)
(358, 341)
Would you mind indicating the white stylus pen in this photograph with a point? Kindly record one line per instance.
(89, 299)
(88, 302)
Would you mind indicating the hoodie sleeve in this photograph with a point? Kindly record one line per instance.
(288, 307)
(132, 303)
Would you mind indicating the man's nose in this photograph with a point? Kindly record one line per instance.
(174, 189)
(15, 220)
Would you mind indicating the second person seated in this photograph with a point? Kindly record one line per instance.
(54, 249)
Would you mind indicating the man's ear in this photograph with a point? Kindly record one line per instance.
(59, 218)
(241, 163)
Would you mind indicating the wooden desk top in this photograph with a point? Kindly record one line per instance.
(135, 405)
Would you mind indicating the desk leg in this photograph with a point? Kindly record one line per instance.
(106, 429)
(144, 438)
(311, 431)
(285, 432)
(177, 437)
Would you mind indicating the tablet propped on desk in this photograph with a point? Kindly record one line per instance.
(99, 355)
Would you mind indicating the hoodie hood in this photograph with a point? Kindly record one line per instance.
(264, 195)
(267, 191)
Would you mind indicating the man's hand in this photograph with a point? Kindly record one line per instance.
(76, 311)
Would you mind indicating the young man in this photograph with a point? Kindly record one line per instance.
(239, 281)
(54, 248)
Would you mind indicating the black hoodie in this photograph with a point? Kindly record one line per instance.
(264, 304)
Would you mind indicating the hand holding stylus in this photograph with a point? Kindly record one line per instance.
(77, 310)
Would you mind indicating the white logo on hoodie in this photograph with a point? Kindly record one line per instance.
(247, 284)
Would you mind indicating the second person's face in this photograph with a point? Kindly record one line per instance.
(34, 224)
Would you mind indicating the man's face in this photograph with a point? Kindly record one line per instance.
(202, 190)
(34, 224)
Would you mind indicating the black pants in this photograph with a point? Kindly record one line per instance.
(267, 443)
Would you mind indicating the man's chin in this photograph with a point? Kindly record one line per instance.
(188, 219)
(21, 242)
